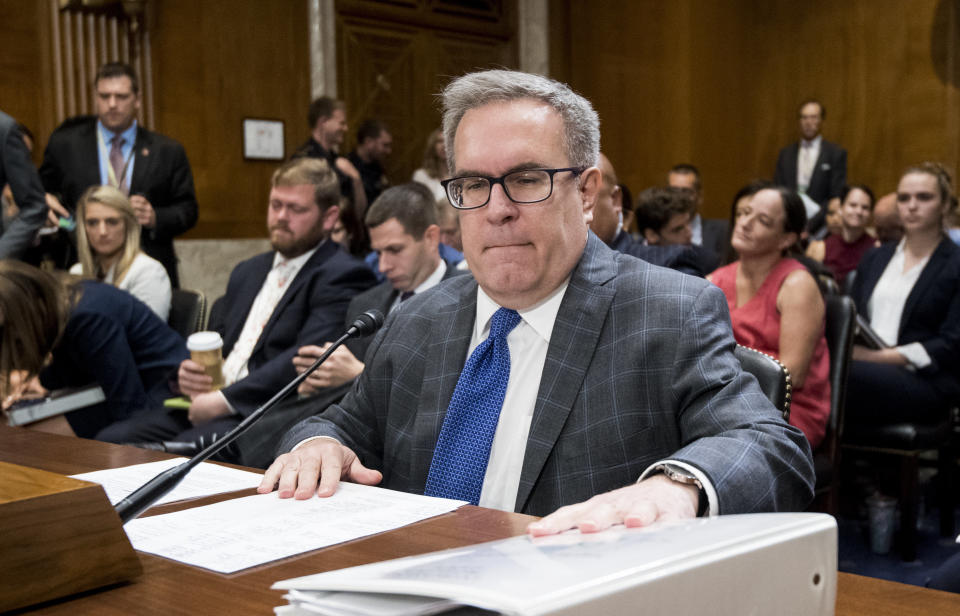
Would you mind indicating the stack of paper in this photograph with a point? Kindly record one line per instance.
(745, 564)
(244, 532)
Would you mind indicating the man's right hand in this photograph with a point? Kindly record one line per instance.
(192, 379)
(55, 210)
(316, 467)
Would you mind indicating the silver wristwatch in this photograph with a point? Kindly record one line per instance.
(682, 475)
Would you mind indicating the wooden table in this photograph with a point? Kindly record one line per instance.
(167, 587)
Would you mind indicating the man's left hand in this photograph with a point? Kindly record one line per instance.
(641, 504)
(146, 215)
(207, 407)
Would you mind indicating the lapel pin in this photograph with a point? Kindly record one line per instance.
(145, 152)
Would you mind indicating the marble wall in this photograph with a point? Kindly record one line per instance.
(205, 265)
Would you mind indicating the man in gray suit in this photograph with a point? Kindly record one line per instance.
(16, 168)
(623, 390)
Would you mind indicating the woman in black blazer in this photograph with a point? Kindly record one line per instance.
(910, 293)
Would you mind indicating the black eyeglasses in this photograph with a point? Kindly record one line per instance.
(526, 186)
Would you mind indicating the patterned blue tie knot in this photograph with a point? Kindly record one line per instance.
(463, 449)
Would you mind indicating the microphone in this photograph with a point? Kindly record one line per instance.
(150, 492)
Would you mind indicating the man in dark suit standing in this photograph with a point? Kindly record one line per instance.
(813, 166)
(111, 148)
(17, 170)
(565, 372)
(275, 303)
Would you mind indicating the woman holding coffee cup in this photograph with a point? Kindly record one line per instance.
(108, 244)
(72, 333)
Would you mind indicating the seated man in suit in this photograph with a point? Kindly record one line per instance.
(275, 303)
(710, 233)
(607, 223)
(813, 166)
(663, 218)
(405, 236)
(19, 176)
(111, 148)
(563, 371)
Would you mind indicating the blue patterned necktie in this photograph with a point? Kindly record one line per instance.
(463, 449)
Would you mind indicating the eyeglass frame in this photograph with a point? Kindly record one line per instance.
(577, 171)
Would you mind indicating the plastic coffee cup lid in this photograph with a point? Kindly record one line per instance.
(204, 341)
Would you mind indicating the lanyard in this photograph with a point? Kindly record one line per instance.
(111, 174)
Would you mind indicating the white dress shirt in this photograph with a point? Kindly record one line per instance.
(276, 284)
(886, 304)
(807, 161)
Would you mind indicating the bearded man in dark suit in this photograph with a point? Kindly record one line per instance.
(111, 148)
(566, 375)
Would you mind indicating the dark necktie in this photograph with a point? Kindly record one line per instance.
(116, 160)
(463, 449)
(405, 296)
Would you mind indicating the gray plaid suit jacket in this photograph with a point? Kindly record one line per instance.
(640, 368)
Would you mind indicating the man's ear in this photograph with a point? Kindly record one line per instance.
(590, 181)
(329, 217)
(431, 235)
(652, 237)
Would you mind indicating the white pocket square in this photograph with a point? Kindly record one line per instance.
(825, 166)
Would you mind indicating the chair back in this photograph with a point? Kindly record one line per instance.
(187, 312)
(841, 325)
(773, 376)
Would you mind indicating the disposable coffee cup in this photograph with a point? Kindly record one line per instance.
(206, 348)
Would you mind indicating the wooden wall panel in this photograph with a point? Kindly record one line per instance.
(717, 83)
(217, 62)
(26, 91)
(391, 68)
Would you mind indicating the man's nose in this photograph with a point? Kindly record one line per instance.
(500, 205)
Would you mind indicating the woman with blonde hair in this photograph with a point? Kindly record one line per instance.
(108, 243)
(909, 292)
(434, 165)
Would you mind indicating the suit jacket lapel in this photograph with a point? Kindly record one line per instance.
(322, 254)
(928, 277)
(575, 334)
(442, 365)
(91, 169)
(251, 284)
(141, 160)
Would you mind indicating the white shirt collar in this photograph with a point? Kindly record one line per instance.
(540, 317)
(296, 262)
(813, 143)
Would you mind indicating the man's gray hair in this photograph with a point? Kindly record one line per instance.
(581, 125)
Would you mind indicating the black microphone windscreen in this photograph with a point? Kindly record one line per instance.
(368, 322)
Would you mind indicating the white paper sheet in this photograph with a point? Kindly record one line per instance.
(205, 479)
(245, 532)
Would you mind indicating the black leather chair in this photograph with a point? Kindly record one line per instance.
(773, 376)
(907, 441)
(841, 315)
(187, 312)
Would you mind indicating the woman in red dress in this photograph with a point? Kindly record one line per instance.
(775, 304)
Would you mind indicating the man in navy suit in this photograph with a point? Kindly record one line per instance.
(405, 236)
(275, 303)
(623, 401)
(111, 148)
(813, 166)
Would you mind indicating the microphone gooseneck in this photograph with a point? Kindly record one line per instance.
(150, 492)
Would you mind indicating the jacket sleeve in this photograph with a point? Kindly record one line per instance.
(27, 193)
